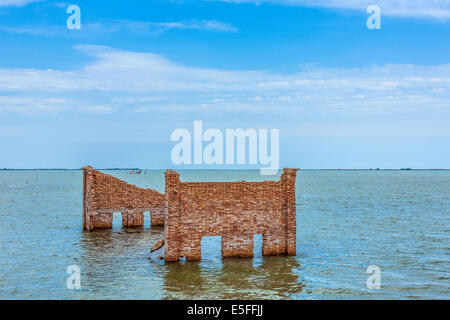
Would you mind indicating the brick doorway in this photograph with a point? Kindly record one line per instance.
(257, 245)
(147, 219)
(211, 248)
(117, 220)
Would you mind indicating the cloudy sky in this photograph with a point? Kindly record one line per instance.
(110, 94)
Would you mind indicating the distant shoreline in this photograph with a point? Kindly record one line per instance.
(218, 169)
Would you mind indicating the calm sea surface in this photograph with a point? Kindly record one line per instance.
(346, 221)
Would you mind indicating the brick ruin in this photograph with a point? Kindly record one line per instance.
(236, 211)
(104, 194)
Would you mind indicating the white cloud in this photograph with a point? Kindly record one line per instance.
(16, 3)
(191, 24)
(32, 105)
(119, 80)
(160, 27)
(436, 9)
(92, 30)
(96, 109)
(59, 4)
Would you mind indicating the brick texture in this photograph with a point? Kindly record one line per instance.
(104, 194)
(236, 211)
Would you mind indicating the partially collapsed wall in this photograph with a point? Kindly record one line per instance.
(236, 211)
(104, 194)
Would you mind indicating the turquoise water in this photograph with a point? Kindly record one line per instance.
(346, 221)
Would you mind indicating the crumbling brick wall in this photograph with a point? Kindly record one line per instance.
(104, 194)
(236, 211)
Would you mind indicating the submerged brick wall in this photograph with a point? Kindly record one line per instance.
(234, 210)
(104, 194)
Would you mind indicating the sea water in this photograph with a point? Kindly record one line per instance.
(347, 220)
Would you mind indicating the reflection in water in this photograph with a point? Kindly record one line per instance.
(116, 261)
(113, 261)
(236, 278)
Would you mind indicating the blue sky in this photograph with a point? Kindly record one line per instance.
(110, 94)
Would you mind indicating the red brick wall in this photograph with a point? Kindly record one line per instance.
(104, 194)
(234, 210)
(190, 210)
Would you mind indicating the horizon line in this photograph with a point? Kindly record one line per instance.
(223, 169)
